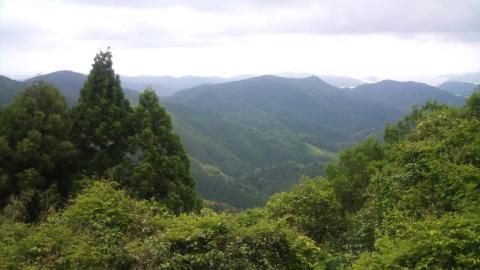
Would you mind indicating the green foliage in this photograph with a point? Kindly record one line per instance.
(411, 203)
(449, 242)
(312, 208)
(105, 228)
(405, 126)
(100, 119)
(35, 152)
(435, 170)
(473, 103)
(351, 174)
(99, 230)
(423, 203)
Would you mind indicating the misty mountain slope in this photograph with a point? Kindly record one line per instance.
(166, 85)
(139, 83)
(463, 89)
(257, 131)
(9, 89)
(340, 81)
(471, 77)
(337, 81)
(69, 83)
(305, 105)
(276, 115)
(403, 95)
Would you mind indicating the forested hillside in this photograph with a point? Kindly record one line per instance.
(9, 89)
(239, 132)
(254, 137)
(82, 188)
(463, 89)
(251, 138)
(403, 95)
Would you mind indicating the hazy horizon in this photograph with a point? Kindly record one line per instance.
(400, 40)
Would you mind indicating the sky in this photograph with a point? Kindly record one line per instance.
(395, 39)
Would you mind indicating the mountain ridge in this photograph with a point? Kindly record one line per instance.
(458, 88)
(403, 95)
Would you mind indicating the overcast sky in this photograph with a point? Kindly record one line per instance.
(398, 39)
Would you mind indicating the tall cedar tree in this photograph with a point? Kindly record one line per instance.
(100, 120)
(35, 152)
(157, 165)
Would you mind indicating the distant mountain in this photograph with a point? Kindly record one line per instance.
(236, 132)
(463, 89)
(69, 83)
(166, 85)
(341, 81)
(337, 81)
(472, 77)
(403, 95)
(141, 82)
(9, 89)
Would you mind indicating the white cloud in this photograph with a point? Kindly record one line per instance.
(346, 37)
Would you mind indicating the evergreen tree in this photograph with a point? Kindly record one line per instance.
(157, 165)
(100, 118)
(35, 153)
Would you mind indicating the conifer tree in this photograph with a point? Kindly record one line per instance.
(35, 152)
(100, 118)
(157, 165)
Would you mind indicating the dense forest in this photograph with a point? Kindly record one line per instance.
(107, 185)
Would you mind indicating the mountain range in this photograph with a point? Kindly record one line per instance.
(402, 95)
(250, 138)
(463, 89)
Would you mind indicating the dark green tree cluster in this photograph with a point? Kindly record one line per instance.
(35, 153)
(156, 164)
(47, 150)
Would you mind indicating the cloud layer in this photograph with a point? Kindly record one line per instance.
(33, 26)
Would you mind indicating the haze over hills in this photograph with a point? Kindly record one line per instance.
(69, 83)
(402, 95)
(166, 85)
(251, 138)
(306, 105)
(9, 89)
(463, 89)
(337, 81)
(471, 77)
